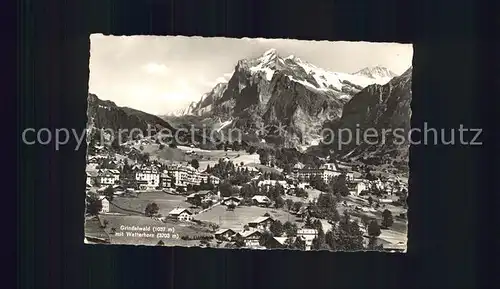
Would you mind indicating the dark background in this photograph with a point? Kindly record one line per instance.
(449, 200)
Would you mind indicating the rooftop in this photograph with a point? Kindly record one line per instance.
(178, 211)
(260, 220)
(246, 234)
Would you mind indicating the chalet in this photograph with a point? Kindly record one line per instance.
(356, 187)
(251, 238)
(231, 201)
(181, 214)
(203, 195)
(108, 177)
(224, 234)
(260, 200)
(105, 205)
(308, 235)
(261, 223)
(94, 232)
(277, 243)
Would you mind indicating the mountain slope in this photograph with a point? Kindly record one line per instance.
(377, 72)
(379, 107)
(104, 114)
(109, 119)
(271, 90)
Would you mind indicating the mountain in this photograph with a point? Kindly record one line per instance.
(270, 90)
(379, 73)
(183, 111)
(379, 107)
(103, 114)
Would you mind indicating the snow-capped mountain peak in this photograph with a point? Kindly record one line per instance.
(271, 53)
(255, 79)
(376, 72)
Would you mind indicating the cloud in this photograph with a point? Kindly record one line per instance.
(155, 68)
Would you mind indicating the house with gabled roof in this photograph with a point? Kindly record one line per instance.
(307, 235)
(251, 238)
(260, 200)
(181, 214)
(261, 223)
(277, 242)
(224, 234)
(232, 200)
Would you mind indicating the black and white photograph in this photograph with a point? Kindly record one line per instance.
(248, 143)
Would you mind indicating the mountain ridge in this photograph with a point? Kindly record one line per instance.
(379, 107)
(306, 94)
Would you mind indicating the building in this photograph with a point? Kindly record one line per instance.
(251, 238)
(107, 176)
(261, 223)
(356, 187)
(228, 201)
(329, 166)
(202, 195)
(204, 177)
(181, 214)
(308, 235)
(272, 183)
(224, 234)
(105, 205)
(165, 180)
(207, 178)
(326, 174)
(148, 177)
(259, 200)
(184, 175)
(277, 243)
(214, 180)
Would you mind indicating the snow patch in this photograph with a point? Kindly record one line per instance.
(260, 68)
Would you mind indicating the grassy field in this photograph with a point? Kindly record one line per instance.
(206, 158)
(241, 216)
(178, 228)
(165, 202)
(167, 153)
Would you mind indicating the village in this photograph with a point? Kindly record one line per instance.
(237, 197)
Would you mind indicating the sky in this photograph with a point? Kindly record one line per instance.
(163, 74)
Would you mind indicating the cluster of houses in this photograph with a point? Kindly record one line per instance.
(148, 176)
(357, 186)
(388, 187)
(251, 236)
